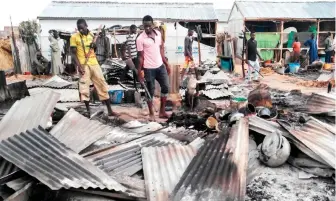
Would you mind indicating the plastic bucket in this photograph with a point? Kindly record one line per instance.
(116, 96)
(226, 64)
(294, 67)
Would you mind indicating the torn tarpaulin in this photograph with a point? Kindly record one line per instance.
(218, 171)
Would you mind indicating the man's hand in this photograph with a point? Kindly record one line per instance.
(168, 69)
(93, 45)
(81, 70)
(141, 76)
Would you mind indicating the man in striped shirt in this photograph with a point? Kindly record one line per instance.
(129, 50)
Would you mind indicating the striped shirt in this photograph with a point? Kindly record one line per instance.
(130, 42)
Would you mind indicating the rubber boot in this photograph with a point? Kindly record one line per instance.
(163, 114)
(151, 111)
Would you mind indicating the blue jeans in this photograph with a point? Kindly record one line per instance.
(328, 56)
(160, 74)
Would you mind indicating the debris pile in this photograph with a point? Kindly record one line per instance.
(6, 58)
(203, 153)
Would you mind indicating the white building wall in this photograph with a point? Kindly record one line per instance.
(174, 45)
(236, 25)
(222, 27)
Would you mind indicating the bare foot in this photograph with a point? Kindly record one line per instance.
(163, 115)
(151, 118)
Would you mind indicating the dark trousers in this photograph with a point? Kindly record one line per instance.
(328, 56)
(159, 74)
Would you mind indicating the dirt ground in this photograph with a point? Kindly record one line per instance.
(283, 184)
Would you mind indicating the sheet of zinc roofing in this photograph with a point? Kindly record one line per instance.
(218, 171)
(285, 9)
(28, 113)
(163, 167)
(42, 156)
(128, 10)
(78, 132)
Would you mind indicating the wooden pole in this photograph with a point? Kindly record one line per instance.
(199, 52)
(318, 33)
(115, 43)
(281, 38)
(243, 53)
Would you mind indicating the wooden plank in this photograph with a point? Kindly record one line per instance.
(318, 33)
(281, 38)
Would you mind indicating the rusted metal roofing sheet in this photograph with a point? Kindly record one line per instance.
(78, 132)
(163, 167)
(265, 127)
(28, 113)
(322, 103)
(126, 159)
(42, 156)
(319, 137)
(183, 134)
(67, 95)
(56, 82)
(218, 171)
(129, 10)
(287, 9)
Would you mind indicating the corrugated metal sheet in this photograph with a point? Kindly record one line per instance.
(319, 137)
(28, 113)
(125, 159)
(218, 171)
(23, 194)
(264, 127)
(123, 10)
(216, 93)
(222, 14)
(67, 95)
(183, 134)
(287, 9)
(164, 166)
(78, 132)
(42, 156)
(322, 103)
(123, 134)
(6, 168)
(56, 82)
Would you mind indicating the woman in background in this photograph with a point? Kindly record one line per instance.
(296, 49)
(312, 48)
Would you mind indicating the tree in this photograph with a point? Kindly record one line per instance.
(28, 32)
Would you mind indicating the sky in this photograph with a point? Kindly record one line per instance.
(21, 10)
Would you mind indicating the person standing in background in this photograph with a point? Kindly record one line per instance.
(56, 62)
(81, 44)
(296, 49)
(312, 48)
(251, 57)
(188, 58)
(328, 42)
(103, 50)
(152, 60)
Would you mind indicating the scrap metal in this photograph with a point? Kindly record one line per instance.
(28, 113)
(42, 156)
(56, 82)
(126, 159)
(322, 103)
(163, 167)
(218, 171)
(66, 95)
(217, 93)
(78, 132)
(318, 137)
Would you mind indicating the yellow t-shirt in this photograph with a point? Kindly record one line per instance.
(75, 41)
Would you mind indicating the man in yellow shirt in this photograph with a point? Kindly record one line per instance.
(81, 44)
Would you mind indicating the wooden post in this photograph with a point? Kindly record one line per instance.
(243, 53)
(199, 52)
(115, 43)
(318, 33)
(281, 38)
